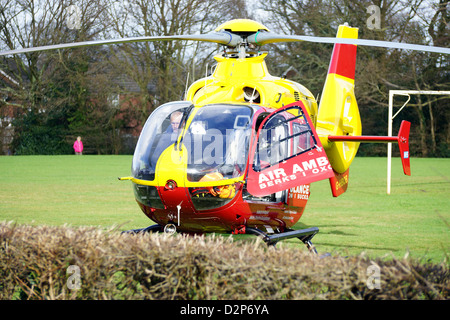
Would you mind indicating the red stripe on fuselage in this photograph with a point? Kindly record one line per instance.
(227, 218)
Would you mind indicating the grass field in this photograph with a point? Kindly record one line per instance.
(81, 191)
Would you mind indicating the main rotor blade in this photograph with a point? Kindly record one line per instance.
(222, 37)
(261, 38)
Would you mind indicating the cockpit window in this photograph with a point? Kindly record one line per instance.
(284, 136)
(217, 141)
(160, 131)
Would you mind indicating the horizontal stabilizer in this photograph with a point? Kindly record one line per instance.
(402, 139)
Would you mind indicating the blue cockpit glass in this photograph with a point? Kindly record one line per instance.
(217, 141)
(160, 131)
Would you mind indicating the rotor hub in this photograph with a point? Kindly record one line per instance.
(242, 26)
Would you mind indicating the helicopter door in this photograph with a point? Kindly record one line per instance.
(286, 153)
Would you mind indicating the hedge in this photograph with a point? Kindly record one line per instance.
(83, 263)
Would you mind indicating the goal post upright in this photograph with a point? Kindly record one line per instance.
(391, 117)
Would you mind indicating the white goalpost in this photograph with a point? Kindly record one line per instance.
(391, 118)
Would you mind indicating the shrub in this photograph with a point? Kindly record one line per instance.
(34, 261)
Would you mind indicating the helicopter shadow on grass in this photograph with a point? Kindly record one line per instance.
(336, 247)
(300, 225)
(371, 190)
(347, 246)
(324, 229)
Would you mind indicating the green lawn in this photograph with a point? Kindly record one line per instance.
(84, 190)
(414, 218)
(77, 190)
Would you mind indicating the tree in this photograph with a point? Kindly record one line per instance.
(314, 18)
(377, 69)
(161, 68)
(61, 88)
(52, 86)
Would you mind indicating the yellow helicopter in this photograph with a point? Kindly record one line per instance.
(239, 153)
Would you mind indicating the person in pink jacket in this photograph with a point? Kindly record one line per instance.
(78, 146)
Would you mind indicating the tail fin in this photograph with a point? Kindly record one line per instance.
(343, 58)
(338, 111)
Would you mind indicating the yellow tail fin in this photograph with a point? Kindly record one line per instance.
(338, 111)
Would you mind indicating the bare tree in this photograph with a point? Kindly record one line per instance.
(28, 23)
(52, 84)
(161, 68)
(377, 70)
(67, 80)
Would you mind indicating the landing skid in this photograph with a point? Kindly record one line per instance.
(305, 235)
(152, 228)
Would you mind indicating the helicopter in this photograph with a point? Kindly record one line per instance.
(238, 154)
